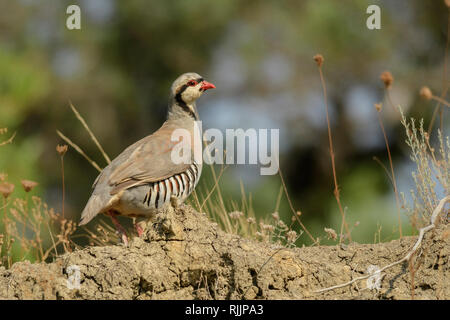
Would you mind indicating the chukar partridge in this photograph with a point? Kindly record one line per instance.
(144, 177)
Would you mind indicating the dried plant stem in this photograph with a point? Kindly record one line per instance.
(333, 165)
(213, 188)
(197, 201)
(408, 256)
(9, 140)
(78, 149)
(63, 185)
(384, 168)
(389, 99)
(24, 227)
(52, 238)
(6, 239)
(292, 207)
(79, 117)
(394, 182)
(443, 101)
(216, 182)
(444, 82)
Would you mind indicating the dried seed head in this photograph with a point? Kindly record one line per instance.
(235, 214)
(318, 58)
(378, 106)
(3, 176)
(299, 213)
(426, 93)
(331, 233)
(276, 216)
(387, 79)
(447, 3)
(251, 220)
(62, 149)
(6, 189)
(28, 185)
(282, 225)
(291, 236)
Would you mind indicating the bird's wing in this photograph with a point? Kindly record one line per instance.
(148, 160)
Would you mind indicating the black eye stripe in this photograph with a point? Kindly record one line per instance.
(190, 82)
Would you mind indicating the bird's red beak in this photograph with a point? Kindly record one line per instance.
(207, 85)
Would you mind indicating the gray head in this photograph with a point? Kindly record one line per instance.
(186, 89)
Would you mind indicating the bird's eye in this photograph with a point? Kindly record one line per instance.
(192, 83)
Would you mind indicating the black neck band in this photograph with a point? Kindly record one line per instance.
(179, 100)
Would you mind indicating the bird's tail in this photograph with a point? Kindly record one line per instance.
(94, 206)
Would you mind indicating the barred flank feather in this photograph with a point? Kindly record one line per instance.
(180, 185)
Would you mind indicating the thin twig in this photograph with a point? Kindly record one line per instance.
(422, 232)
(384, 167)
(51, 237)
(333, 165)
(9, 140)
(443, 101)
(292, 207)
(63, 185)
(78, 149)
(394, 182)
(77, 114)
(444, 80)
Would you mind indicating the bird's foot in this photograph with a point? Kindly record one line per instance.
(119, 228)
(139, 229)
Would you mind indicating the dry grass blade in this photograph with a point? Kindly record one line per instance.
(216, 183)
(80, 118)
(292, 208)
(78, 149)
(391, 164)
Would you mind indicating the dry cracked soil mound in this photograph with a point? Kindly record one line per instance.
(183, 255)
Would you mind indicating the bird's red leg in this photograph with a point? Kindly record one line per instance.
(119, 227)
(139, 229)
